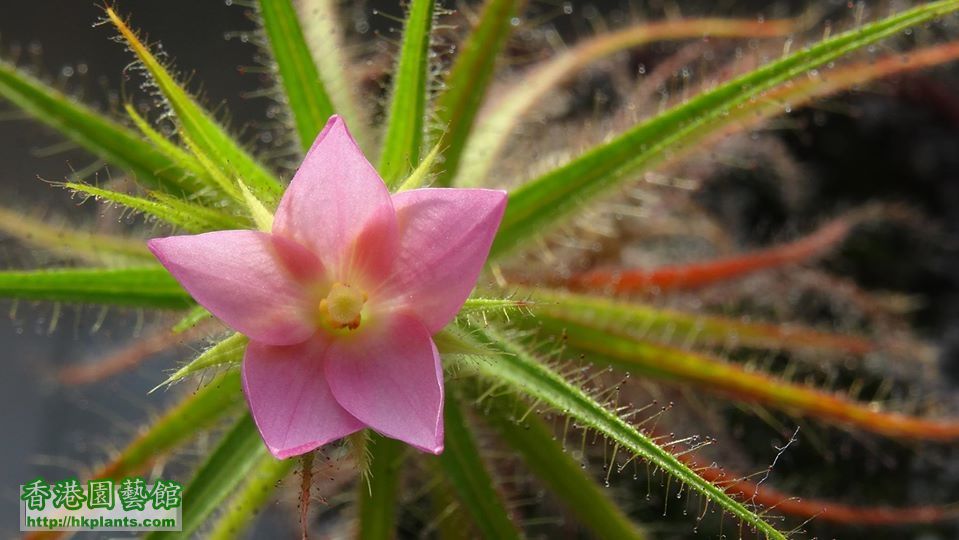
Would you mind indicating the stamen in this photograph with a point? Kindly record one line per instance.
(342, 307)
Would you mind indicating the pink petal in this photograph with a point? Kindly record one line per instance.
(338, 206)
(445, 237)
(290, 400)
(390, 378)
(248, 279)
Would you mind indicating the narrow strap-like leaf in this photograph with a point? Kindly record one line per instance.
(177, 155)
(148, 287)
(422, 173)
(187, 216)
(262, 218)
(199, 126)
(93, 131)
(378, 494)
(324, 32)
(808, 508)
(305, 93)
(642, 321)
(407, 110)
(549, 461)
(240, 450)
(262, 480)
(196, 412)
(696, 274)
(493, 130)
(207, 218)
(227, 352)
(518, 369)
(506, 307)
(468, 81)
(738, 383)
(130, 355)
(453, 521)
(822, 83)
(73, 242)
(464, 468)
(211, 184)
(193, 317)
(547, 199)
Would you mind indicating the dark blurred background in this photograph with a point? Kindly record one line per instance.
(901, 145)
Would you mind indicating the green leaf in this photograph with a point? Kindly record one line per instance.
(187, 216)
(466, 472)
(504, 307)
(549, 461)
(493, 130)
(194, 413)
(76, 243)
(305, 93)
(421, 175)
(407, 110)
(171, 151)
(450, 345)
(195, 316)
(224, 182)
(452, 520)
(469, 79)
(518, 369)
(378, 495)
(746, 385)
(262, 217)
(641, 321)
(93, 131)
(545, 200)
(196, 124)
(203, 216)
(227, 352)
(149, 287)
(324, 30)
(262, 480)
(801, 92)
(240, 450)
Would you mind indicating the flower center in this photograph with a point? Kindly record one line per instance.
(342, 307)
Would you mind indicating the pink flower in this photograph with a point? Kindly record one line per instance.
(341, 298)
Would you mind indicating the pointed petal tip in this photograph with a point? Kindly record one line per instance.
(286, 453)
(502, 193)
(430, 444)
(229, 271)
(155, 245)
(446, 234)
(164, 248)
(495, 198)
(502, 197)
(434, 447)
(299, 450)
(334, 122)
(338, 206)
(392, 382)
(290, 401)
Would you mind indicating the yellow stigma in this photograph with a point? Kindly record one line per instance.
(342, 307)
